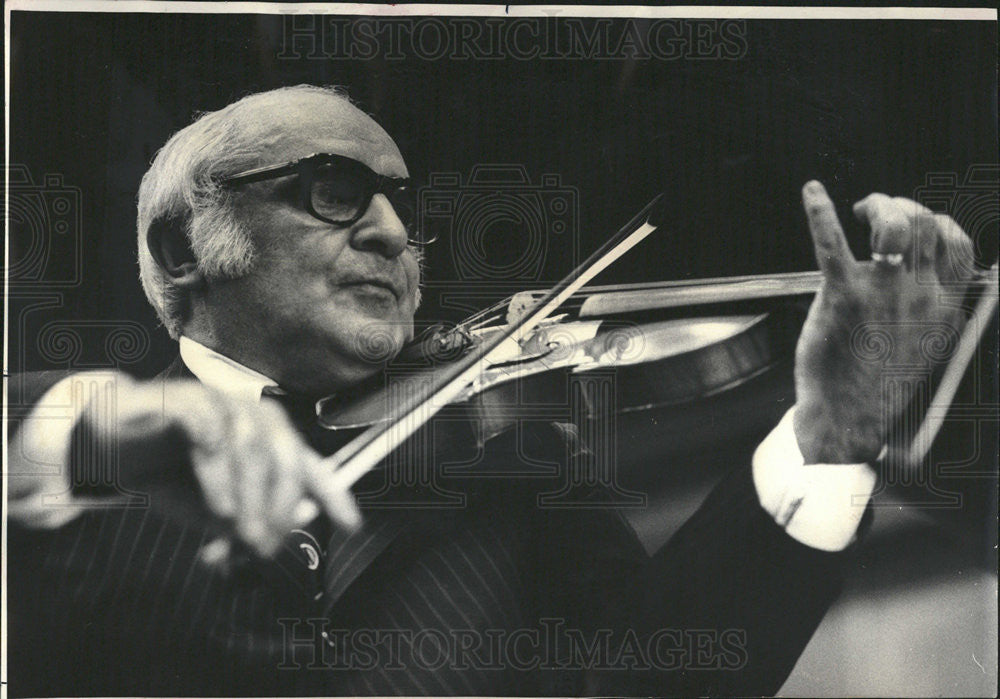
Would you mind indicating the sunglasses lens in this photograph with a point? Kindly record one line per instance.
(404, 202)
(342, 191)
(339, 193)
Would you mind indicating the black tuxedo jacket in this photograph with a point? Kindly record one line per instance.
(496, 597)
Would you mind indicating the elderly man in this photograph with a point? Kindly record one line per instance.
(268, 240)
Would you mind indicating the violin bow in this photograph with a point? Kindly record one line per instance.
(972, 334)
(365, 451)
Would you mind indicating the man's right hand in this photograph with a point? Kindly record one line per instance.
(256, 478)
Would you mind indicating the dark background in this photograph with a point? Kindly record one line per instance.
(864, 106)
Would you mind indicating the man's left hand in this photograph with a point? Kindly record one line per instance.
(867, 314)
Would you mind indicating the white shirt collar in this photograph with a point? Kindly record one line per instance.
(222, 373)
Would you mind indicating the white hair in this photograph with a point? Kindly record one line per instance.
(181, 187)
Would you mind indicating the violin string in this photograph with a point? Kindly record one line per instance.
(483, 321)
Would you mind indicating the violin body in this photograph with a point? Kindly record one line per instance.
(655, 378)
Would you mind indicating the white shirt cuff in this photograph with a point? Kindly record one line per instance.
(819, 505)
(39, 488)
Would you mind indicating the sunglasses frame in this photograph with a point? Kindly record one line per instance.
(306, 167)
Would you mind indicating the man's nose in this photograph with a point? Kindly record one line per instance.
(380, 229)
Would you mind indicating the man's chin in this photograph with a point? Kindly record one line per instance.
(376, 339)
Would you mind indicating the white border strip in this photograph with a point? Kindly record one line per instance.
(371, 9)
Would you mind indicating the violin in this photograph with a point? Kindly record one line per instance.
(507, 361)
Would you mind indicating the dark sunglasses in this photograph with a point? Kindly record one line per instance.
(338, 190)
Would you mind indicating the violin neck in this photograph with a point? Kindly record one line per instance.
(604, 301)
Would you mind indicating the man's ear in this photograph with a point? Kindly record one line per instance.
(168, 244)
